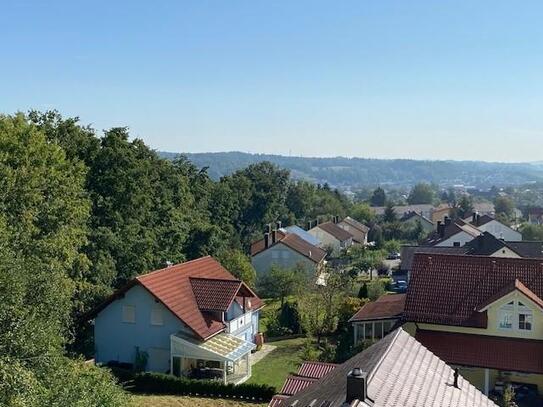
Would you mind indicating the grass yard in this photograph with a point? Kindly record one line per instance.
(181, 401)
(278, 364)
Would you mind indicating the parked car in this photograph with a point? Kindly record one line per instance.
(399, 286)
(393, 256)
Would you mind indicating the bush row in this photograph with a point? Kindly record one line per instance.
(158, 383)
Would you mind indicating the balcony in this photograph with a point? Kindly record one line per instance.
(239, 323)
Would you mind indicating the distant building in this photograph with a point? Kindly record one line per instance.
(286, 250)
(330, 235)
(357, 229)
(412, 218)
(452, 233)
(400, 210)
(397, 371)
(486, 223)
(535, 216)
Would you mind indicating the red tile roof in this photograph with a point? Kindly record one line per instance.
(356, 224)
(214, 294)
(447, 289)
(294, 384)
(258, 246)
(315, 370)
(277, 399)
(334, 230)
(178, 287)
(294, 242)
(386, 306)
(515, 285)
(513, 354)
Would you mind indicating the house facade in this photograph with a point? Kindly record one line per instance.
(358, 230)
(192, 319)
(413, 218)
(286, 250)
(486, 223)
(332, 237)
(452, 233)
(483, 315)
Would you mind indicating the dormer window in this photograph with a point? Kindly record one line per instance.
(515, 315)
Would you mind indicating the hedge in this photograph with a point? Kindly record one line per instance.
(159, 383)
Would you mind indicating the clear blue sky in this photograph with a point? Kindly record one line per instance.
(413, 79)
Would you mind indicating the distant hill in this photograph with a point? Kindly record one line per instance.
(365, 172)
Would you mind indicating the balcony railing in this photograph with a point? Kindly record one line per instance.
(239, 323)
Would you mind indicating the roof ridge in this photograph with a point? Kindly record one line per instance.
(174, 266)
(384, 354)
(215, 279)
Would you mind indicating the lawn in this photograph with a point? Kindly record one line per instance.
(276, 366)
(182, 401)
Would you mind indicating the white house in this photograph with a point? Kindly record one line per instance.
(330, 235)
(486, 223)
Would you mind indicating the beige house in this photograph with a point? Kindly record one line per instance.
(355, 228)
(332, 237)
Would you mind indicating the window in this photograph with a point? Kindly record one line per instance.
(129, 314)
(156, 315)
(515, 315)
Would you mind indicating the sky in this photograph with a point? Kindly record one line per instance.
(383, 79)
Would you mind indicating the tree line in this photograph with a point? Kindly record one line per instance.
(82, 213)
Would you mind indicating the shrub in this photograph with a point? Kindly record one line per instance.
(159, 383)
(310, 352)
(289, 317)
(274, 328)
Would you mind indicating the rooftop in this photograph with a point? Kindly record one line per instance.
(334, 230)
(387, 306)
(294, 242)
(448, 289)
(401, 372)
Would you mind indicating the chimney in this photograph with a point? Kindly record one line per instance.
(455, 378)
(478, 220)
(274, 236)
(474, 217)
(447, 221)
(269, 227)
(357, 385)
(266, 240)
(278, 225)
(309, 224)
(440, 229)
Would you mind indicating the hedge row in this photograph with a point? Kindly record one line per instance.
(158, 383)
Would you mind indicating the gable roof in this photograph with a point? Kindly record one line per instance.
(401, 372)
(334, 230)
(304, 234)
(386, 306)
(294, 242)
(508, 289)
(356, 224)
(409, 215)
(527, 248)
(451, 229)
(179, 286)
(486, 244)
(315, 370)
(447, 289)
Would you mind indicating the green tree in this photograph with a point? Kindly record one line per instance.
(282, 282)
(504, 206)
(43, 224)
(378, 197)
(375, 289)
(389, 215)
(237, 263)
(421, 193)
(362, 212)
(531, 232)
(465, 206)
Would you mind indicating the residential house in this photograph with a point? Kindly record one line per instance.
(192, 319)
(412, 218)
(332, 237)
(286, 250)
(483, 315)
(486, 223)
(377, 318)
(452, 233)
(485, 244)
(357, 229)
(484, 208)
(400, 210)
(397, 371)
